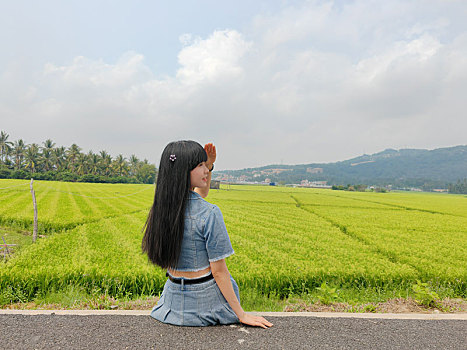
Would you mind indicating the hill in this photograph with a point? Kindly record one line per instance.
(401, 168)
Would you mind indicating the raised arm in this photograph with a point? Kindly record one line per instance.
(211, 152)
(222, 276)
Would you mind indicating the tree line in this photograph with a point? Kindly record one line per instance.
(458, 187)
(358, 188)
(19, 160)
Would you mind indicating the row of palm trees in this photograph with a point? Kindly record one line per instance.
(18, 155)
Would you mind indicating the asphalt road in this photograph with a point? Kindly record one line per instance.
(142, 332)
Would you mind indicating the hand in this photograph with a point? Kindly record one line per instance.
(211, 152)
(256, 321)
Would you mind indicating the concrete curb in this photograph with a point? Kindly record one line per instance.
(389, 316)
(409, 316)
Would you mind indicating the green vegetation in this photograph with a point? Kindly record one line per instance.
(21, 161)
(63, 205)
(458, 187)
(405, 168)
(14, 235)
(424, 295)
(358, 188)
(327, 294)
(290, 243)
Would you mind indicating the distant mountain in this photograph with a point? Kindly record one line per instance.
(404, 167)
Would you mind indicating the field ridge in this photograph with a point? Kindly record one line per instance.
(354, 236)
(402, 206)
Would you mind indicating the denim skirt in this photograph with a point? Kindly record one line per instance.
(198, 305)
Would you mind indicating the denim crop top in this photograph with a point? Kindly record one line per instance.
(205, 238)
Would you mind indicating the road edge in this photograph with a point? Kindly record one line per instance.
(392, 316)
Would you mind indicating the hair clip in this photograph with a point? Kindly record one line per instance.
(172, 157)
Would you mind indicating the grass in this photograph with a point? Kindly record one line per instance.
(14, 235)
(76, 298)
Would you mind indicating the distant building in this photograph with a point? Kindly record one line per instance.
(314, 184)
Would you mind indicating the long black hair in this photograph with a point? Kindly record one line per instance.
(163, 231)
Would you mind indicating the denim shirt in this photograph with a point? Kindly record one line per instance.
(205, 238)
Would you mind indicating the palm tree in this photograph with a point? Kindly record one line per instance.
(18, 152)
(106, 161)
(93, 163)
(134, 165)
(120, 165)
(32, 157)
(59, 157)
(8, 162)
(49, 144)
(81, 164)
(47, 156)
(5, 145)
(72, 155)
(47, 159)
(35, 158)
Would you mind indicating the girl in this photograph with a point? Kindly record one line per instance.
(187, 236)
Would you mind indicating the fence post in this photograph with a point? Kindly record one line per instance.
(6, 248)
(34, 232)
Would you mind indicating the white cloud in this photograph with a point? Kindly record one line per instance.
(401, 53)
(127, 71)
(315, 82)
(215, 58)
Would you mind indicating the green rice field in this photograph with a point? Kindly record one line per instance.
(287, 241)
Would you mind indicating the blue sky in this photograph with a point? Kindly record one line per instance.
(58, 31)
(266, 81)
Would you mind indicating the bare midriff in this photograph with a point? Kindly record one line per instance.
(190, 274)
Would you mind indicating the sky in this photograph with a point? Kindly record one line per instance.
(268, 82)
